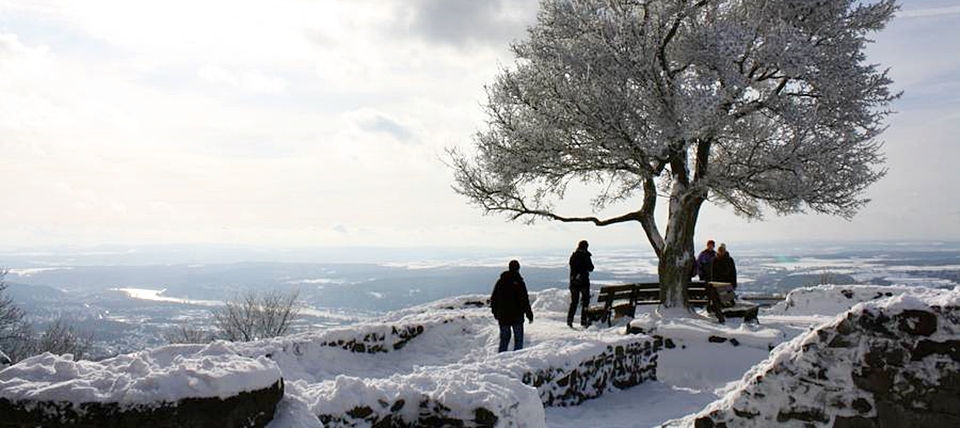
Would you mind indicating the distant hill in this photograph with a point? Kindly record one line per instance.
(30, 296)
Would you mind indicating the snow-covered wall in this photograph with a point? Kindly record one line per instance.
(894, 361)
(508, 390)
(568, 372)
(177, 385)
(433, 365)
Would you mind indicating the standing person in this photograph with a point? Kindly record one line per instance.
(580, 268)
(705, 262)
(509, 303)
(724, 268)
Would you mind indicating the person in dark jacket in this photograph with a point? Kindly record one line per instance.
(509, 303)
(580, 268)
(705, 262)
(724, 268)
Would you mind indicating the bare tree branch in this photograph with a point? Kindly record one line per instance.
(255, 316)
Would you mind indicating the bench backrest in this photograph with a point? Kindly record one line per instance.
(698, 293)
(649, 293)
(725, 294)
(611, 293)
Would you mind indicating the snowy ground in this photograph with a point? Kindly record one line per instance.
(455, 359)
(690, 376)
(693, 374)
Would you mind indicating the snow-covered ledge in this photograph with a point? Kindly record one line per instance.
(178, 385)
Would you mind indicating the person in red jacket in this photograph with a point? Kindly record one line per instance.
(509, 303)
(704, 262)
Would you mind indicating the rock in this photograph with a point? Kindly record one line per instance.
(925, 348)
(861, 405)
(716, 339)
(917, 323)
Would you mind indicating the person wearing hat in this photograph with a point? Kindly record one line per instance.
(580, 268)
(705, 262)
(724, 268)
(509, 303)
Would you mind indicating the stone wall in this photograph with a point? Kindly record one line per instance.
(251, 409)
(429, 413)
(619, 366)
(379, 342)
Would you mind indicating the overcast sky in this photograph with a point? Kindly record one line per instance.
(323, 123)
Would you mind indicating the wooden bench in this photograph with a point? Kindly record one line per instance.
(615, 301)
(724, 303)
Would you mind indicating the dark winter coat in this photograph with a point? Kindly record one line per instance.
(725, 270)
(510, 301)
(580, 268)
(705, 264)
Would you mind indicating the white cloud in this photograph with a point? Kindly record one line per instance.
(298, 123)
(248, 81)
(919, 13)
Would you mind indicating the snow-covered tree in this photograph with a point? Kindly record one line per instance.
(751, 104)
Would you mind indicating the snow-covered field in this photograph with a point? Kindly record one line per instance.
(454, 357)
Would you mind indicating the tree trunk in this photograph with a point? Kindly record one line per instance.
(677, 259)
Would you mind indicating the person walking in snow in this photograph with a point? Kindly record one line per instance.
(705, 262)
(580, 268)
(724, 268)
(509, 303)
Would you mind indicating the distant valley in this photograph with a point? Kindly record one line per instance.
(96, 296)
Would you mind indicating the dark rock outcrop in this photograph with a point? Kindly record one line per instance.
(889, 363)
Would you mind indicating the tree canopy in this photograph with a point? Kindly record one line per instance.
(754, 105)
